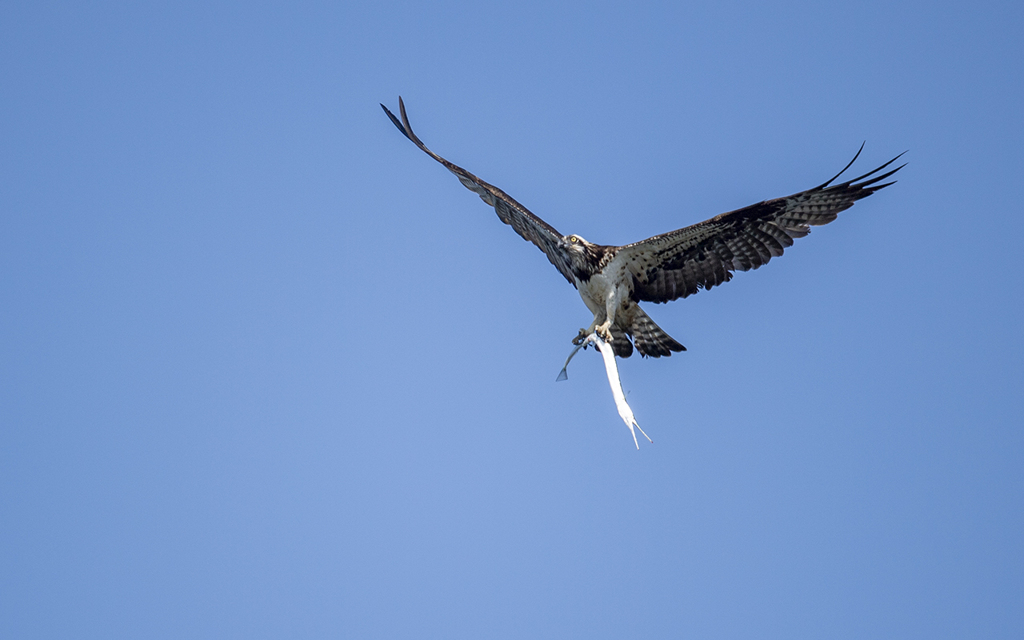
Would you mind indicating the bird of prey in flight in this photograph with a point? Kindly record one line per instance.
(613, 280)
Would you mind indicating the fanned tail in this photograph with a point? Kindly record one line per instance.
(620, 342)
(651, 340)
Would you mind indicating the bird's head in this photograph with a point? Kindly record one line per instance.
(575, 242)
(585, 256)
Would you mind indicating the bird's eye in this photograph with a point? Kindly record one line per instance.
(573, 239)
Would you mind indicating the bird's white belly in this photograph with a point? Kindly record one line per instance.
(595, 292)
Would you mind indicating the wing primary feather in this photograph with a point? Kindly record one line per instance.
(405, 127)
(395, 120)
(835, 177)
(405, 121)
(877, 169)
(868, 183)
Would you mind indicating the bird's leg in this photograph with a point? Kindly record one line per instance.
(610, 305)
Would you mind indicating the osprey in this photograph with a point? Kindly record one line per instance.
(613, 280)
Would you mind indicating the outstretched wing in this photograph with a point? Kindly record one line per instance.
(526, 224)
(680, 263)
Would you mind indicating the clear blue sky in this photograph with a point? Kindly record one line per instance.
(268, 371)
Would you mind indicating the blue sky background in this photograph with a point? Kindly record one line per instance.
(268, 371)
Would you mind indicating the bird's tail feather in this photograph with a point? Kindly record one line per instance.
(620, 343)
(651, 340)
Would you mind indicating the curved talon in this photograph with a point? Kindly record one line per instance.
(578, 340)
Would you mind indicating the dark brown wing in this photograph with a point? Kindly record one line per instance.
(680, 263)
(526, 224)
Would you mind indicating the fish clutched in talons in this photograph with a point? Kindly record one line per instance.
(613, 381)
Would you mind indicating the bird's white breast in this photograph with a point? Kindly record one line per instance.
(594, 292)
(613, 279)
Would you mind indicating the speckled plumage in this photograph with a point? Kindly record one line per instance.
(613, 279)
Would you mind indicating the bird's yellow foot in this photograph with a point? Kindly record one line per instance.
(578, 340)
(605, 334)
